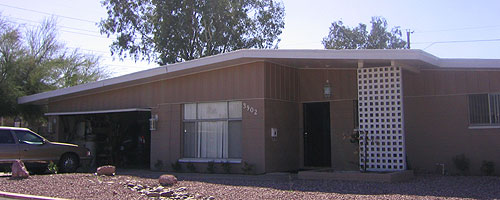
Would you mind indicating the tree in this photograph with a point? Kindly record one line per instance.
(33, 61)
(174, 31)
(344, 37)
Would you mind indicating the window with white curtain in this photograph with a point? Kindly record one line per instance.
(212, 130)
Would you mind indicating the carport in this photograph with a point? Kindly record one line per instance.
(117, 137)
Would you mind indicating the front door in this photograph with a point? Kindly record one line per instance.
(317, 152)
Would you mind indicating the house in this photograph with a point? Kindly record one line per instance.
(284, 110)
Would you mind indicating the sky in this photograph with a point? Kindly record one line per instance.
(444, 28)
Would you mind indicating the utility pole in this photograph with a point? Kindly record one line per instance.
(408, 33)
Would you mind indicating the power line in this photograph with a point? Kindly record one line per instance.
(459, 29)
(67, 27)
(73, 32)
(46, 13)
(460, 41)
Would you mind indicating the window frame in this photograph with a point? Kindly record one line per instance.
(491, 123)
(197, 121)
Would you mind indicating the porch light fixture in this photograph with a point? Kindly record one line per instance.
(327, 90)
(153, 122)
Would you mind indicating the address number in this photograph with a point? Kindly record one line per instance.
(250, 109)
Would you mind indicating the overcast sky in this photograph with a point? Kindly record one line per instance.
(444, 28)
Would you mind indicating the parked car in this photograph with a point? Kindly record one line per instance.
(37, 152)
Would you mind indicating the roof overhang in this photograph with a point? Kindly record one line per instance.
(99, 111)
(292, 58)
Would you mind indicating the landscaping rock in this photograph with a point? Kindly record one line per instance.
(107, 170)
(167, 180)
(19, 170)
(152, 194)
(158, 189)
(167, 194)
(181, 189)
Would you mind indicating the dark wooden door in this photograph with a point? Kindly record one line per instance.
(317, 151)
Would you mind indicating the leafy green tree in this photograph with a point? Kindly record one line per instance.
(174, 31)
(33, 61)
(344, 37)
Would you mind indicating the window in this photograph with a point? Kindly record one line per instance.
(28, 137)
(484, 109)
(212, 130)
(6, 137)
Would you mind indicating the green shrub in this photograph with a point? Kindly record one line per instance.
(53, 168)
(247, 168)
(226, 166)
(461, 163)
(191, 167)
(177, 167)
(488, 167)
(211, 167)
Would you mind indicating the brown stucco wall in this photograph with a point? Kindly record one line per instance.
(165, 97)
(344, 153)
(281, 95)
(344, 92)
(436, 118)
(245, 81)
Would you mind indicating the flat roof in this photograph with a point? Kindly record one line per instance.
(294, 58)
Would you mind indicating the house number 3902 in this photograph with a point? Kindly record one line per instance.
(250, 109)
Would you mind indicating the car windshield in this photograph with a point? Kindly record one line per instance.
(28, 137)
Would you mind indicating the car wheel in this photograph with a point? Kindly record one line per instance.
(68, 163)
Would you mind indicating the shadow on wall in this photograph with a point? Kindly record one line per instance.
(423, 186)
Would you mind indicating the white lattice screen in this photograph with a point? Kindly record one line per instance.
(380, 106)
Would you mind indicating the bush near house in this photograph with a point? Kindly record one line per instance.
(191, 167)
(462, 163)
(211, 167)
(488, 168)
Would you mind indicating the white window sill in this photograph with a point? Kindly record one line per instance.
(484, 127)
(207, 160)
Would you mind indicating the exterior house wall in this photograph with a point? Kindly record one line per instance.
(435, 100)
(281, 112)
(344, 92)
(286, 89)
(437, 118)
(166, 97)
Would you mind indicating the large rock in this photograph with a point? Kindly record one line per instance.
(167, 180)
(19, 170)
(107, 170)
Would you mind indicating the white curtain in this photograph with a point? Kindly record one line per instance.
(213, 136)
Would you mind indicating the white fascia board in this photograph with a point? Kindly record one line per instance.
(99, 111)
(350, 54)
(93, 85)
(470, 63)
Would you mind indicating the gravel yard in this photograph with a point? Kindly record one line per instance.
(281, 186)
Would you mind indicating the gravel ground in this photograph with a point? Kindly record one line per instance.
(89, 186)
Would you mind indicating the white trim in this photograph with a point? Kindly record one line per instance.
(100, 111)
(207, 160)
(469, 63)
(484, 127)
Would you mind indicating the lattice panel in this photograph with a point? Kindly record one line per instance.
(380, 105)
